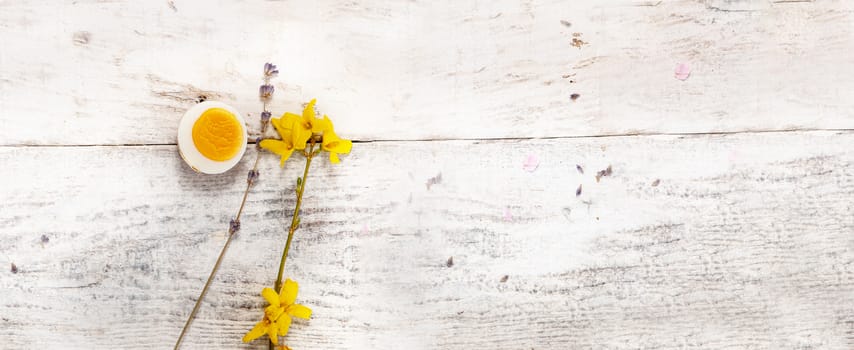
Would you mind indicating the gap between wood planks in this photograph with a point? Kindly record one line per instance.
(779, 131)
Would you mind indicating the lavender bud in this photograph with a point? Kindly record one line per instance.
(258, 143)
(233, 226)
(270, 70)
(265, 117)
(266, 91)
(253, 176)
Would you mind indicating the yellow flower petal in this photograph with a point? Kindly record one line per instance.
(270, 295)
(317, 125)
(309, 121)
(282, 126)
(300, 311)
(333, 143)
(289, 292)
(294, 122)
(300, 137)
(273, 312)
(283, 159)
(277, 146)
(290, 118)
(273, 333)
(324, 124)
(284, 324)
(308, 111)
(257, 331)
(338, 146)
(282, 148)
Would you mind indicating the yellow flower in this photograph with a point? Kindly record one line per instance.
(296, 130)
(332, 143)
(286, 146)
(307, 125)
(277, 316)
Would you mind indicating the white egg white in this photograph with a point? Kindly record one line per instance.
(187, 148)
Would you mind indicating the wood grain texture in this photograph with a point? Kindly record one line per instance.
(726, 242)
(123, 72)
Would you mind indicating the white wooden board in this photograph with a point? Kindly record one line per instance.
(745, 242)
(123, 72)
(734, 238)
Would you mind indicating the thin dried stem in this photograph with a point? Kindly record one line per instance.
(218, 262)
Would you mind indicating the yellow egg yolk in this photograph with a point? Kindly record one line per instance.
(217, 134)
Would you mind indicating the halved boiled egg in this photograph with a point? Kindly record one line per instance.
(212, 137)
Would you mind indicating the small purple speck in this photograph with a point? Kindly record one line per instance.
(252, 176)
(531, 163)
(233, 226)
(270, 70)
(266, 91)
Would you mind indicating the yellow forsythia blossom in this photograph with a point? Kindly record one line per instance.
(332, 143)
(296, 130)
(286, 146)
(277, 316)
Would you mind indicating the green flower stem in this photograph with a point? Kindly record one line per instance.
(295, 219)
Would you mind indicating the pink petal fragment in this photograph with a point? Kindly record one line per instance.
(682, 71)
(507, 215)
(531, 163)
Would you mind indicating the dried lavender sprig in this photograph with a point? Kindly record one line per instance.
(270, 70)
(266, 91)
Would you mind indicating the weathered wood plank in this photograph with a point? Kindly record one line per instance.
(123, 72)
(744, 241)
